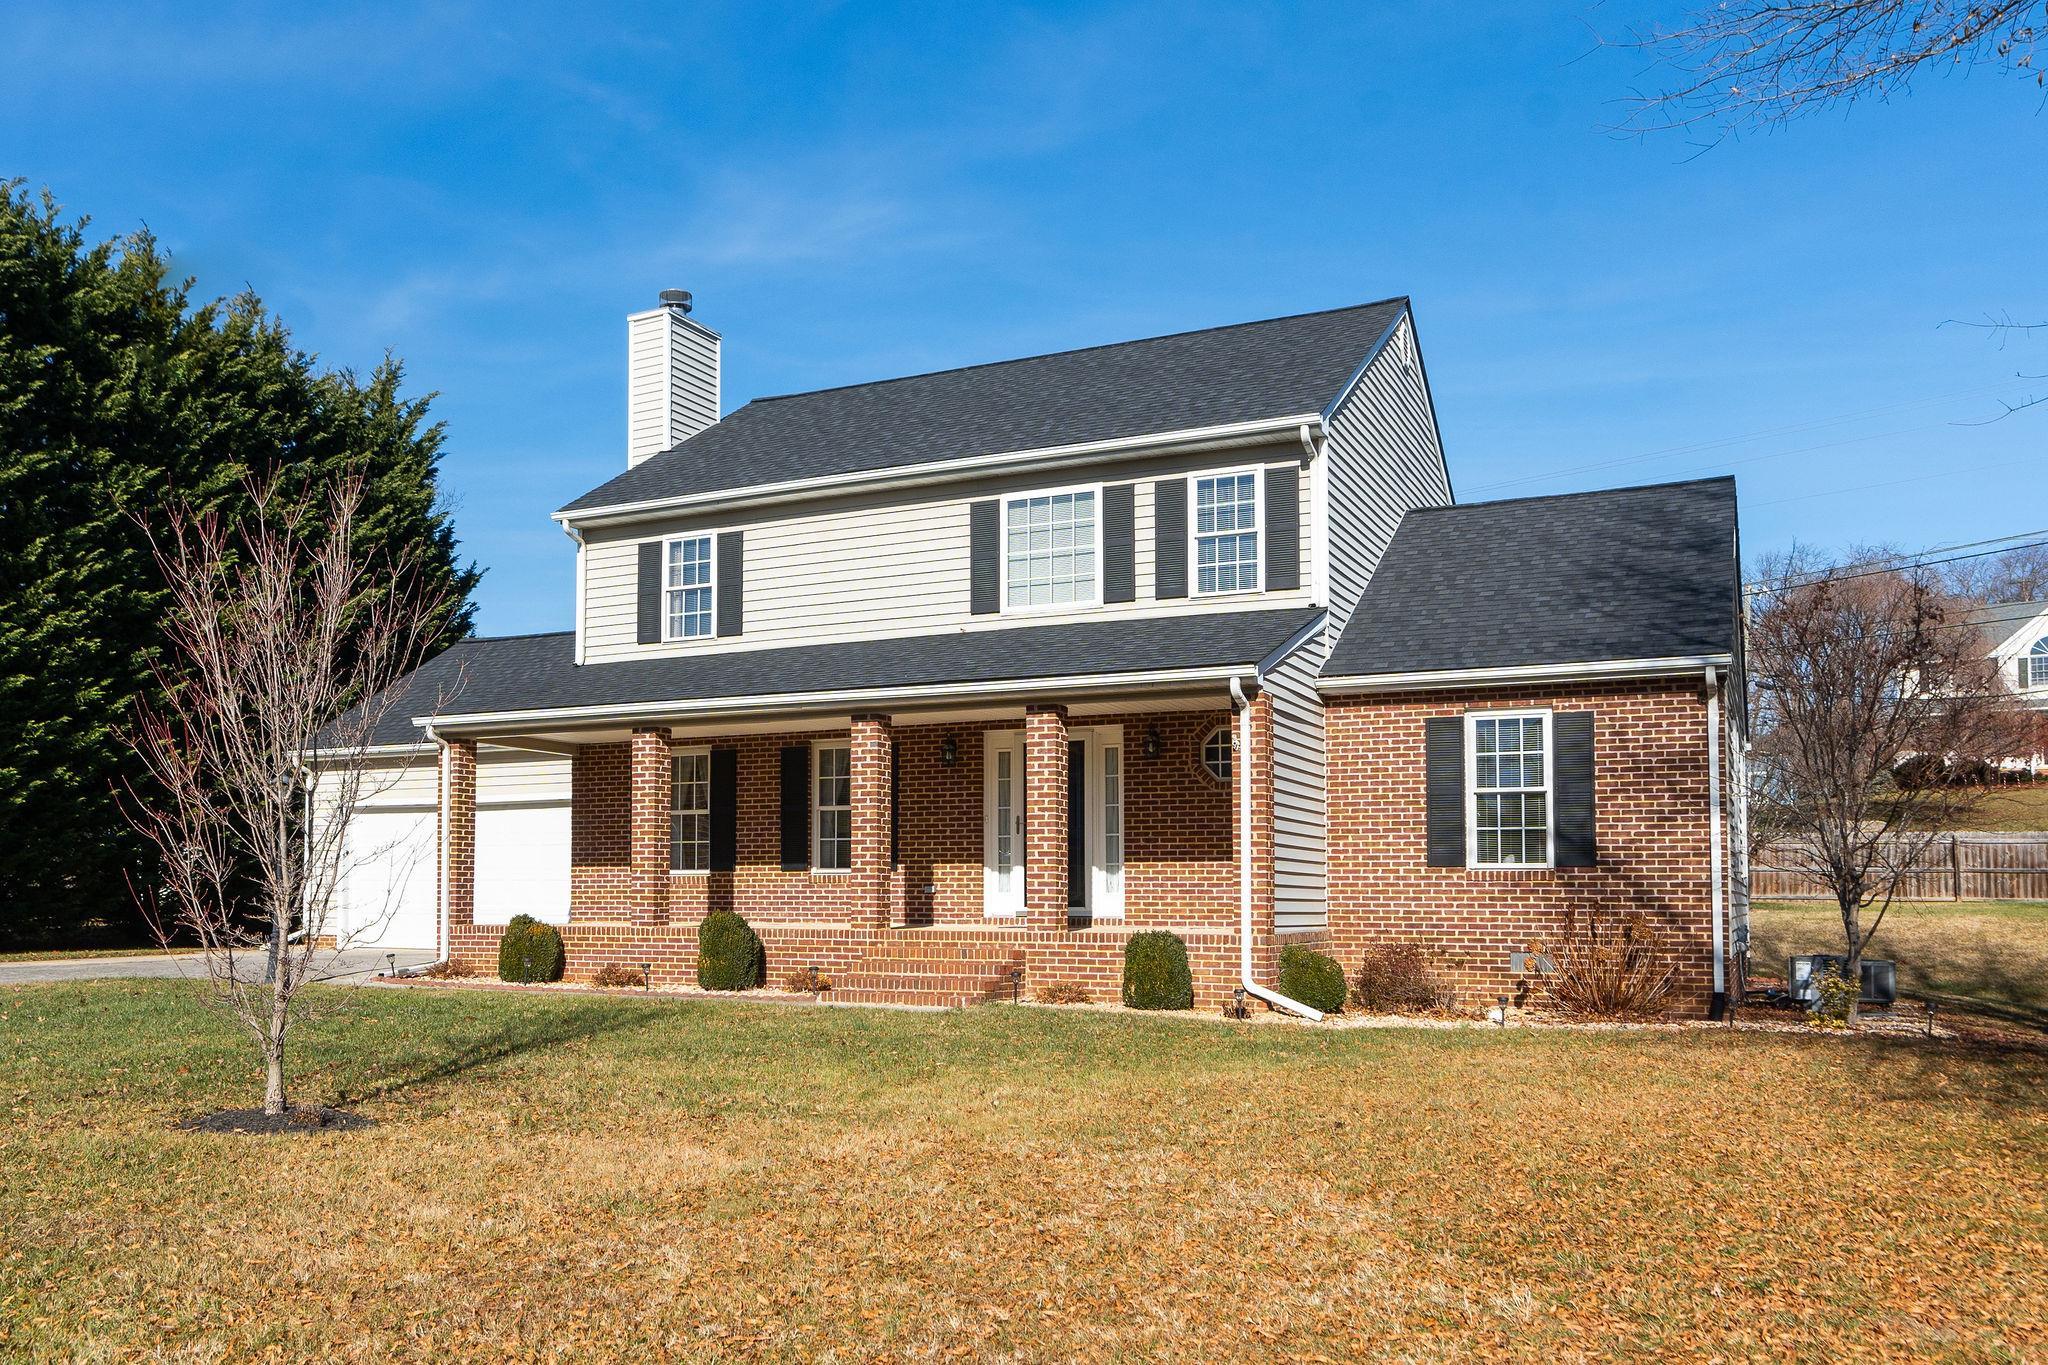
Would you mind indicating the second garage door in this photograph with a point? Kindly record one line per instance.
(522, 862)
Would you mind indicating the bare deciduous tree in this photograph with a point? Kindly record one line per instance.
(283, 640)
(1765, 62)
(2016, 575)
(1870, 692)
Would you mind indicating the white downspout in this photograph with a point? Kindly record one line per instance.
(1244, 863)
(1714, 852)
(582, 582)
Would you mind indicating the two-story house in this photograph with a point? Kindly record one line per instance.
(949, 683)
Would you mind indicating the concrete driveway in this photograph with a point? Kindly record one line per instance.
(353, 964)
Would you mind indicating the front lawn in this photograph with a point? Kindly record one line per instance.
(1982, 958)
(560, 1177)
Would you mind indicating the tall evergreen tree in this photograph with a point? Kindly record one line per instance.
(116, 390)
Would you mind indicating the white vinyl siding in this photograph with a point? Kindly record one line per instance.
(1383, 459)
(671, 382)
(862, 568)
(1300, 805)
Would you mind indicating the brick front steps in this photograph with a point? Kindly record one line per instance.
(926, 968)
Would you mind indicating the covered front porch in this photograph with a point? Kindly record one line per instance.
(932, 853)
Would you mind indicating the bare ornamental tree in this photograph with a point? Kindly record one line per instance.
(1874, 706)
(283, 640)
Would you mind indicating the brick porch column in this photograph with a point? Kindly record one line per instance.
(649, 777)
(458, 841)
(1045, 816)
(871, 761)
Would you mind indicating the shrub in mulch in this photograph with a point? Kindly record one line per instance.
(1062, 993)
(1607, 964)
(1156, 975)
(618, 976)
(1396, 978)
(1311, 977)
(729, 955)
(300, 1118)
(808, 981)
(530, 951)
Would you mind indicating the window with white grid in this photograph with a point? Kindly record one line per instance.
(687, 599)
(1049, 550)
(832, 802)
(2034, 665)
(1227, 533)
(1510, 789)
(689, 829)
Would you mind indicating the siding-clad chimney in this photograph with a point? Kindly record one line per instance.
(671, 377)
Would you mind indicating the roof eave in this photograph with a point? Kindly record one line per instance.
(1587, 670)
(845, 698)
(947, 471)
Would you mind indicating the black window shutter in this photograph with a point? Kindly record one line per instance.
(1170, 538)
(732, 581)
(1283, 528)
(1571, 750)
(650, 592)
(895, 803)
(725, 809)
(984, 576)
(796, 807)
(1445, 778)
(1119, 543)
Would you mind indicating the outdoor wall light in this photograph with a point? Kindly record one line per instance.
(1154, 746)
(949, 751)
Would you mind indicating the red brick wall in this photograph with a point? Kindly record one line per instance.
(650, 774)
(459, 855)
(1651, 827)
(1046, 773)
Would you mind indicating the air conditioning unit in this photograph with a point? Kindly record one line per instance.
(1880, 978)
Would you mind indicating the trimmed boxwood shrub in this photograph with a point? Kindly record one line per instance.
(1312, 978)
(1156, 972)
(530, 951)
(729, 954)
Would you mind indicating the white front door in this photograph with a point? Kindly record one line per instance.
(1002, 831)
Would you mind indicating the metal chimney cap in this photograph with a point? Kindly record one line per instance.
(676, 298)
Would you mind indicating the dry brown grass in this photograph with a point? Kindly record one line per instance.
(1062, 993)
(613, 1178)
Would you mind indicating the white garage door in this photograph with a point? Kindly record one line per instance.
(522, 862)
(388, 897)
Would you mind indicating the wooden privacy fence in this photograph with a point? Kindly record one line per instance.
(1971, 867)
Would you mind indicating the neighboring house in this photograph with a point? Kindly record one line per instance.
(2015, 637)
(951, 683)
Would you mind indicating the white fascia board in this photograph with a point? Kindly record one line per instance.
(854, 699)
(373, 751)
(1294, 642)
(1358, 375)
(947, 471)
(1502, 677)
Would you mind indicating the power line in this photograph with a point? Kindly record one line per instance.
(1905, 562)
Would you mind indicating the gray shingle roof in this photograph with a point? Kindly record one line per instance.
(534, 672)
(1240, 373)
(1625, 573)
(1999, 622)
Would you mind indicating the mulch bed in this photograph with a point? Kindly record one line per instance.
(303, 1118)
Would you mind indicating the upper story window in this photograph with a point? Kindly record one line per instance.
(690, 812)
(686, 596)
(1226, 539)
(1051, 544)
(1509, 788)
(832, 807)
(2034, 665)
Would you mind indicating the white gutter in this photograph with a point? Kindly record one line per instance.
(1485, 677)
(1714, 851)
(1244, 863)
(945, 471)
(872, 696)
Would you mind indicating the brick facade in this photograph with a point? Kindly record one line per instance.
(649, 775)
(1651, 829)
(458, 850)
(1046, 898)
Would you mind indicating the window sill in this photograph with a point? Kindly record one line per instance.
(689, 872)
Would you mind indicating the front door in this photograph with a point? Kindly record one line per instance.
(1002, 830)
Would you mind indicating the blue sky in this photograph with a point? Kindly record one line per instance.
(856, 191)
